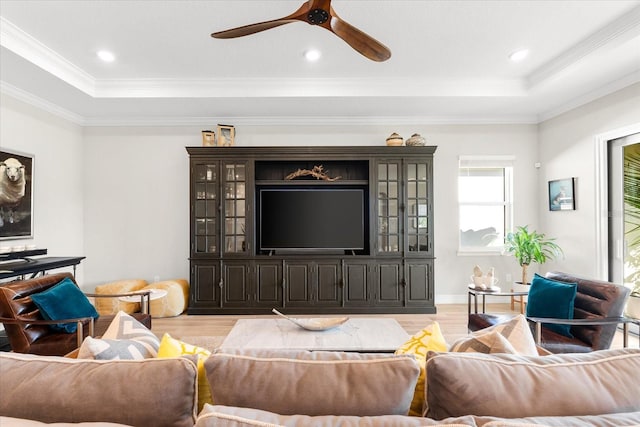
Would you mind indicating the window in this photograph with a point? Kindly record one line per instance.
(484, 202)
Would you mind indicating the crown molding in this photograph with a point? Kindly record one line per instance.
(40, 103)
(615, 33)
(304, 87)
(608, 89)
(308, 121)
(26, 46)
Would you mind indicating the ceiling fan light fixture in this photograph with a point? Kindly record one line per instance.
(519, 55)
(312, 55)
(106, 56)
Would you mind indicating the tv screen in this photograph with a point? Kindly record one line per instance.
(308, 219)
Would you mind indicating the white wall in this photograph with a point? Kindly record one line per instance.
(58, 175)
(136, 193)
(119, 195)
(567, 149)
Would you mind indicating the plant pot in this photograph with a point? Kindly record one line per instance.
(523, 299)
(519, 287)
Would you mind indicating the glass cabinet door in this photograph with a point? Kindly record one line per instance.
(418, 207)
(388, 210)
(206, 208)
(235, 205)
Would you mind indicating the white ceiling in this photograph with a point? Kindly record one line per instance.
(449, 60)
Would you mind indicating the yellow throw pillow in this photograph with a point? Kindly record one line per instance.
(430, 338)
(171, 347)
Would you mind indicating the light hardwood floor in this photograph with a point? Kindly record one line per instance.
(452, 319)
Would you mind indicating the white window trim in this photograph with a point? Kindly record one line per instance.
(496, 161)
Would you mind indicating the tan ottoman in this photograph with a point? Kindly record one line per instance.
(172, 304)
(113, 305)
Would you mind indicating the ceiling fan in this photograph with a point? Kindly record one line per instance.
(318, 12)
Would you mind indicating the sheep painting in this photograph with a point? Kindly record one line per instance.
(15, 195)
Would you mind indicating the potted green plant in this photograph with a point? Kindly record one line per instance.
(530, 246)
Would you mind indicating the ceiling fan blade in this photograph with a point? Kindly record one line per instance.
(359, 40)
(245, 30)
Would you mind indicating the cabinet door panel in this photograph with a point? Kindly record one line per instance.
(389, 290)
(357, 282)
(328, 283)
(236, 289)
(269, 284)
(419, 207)
(236, 215)
(419, 286)
(388, 207)
(297, 286)
(204, 208)
(205, 284)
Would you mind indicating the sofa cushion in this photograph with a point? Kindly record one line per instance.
(512, 386)
(428, 339)
(21, 422)
(622, 419)
(126, 338)
(64, 301)
(132, 392)
(313, 383)
(550, 298)
(226, 416)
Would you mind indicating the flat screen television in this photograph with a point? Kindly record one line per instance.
(308, 219)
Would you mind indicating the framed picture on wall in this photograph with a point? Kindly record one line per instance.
(16, 195)
(561, 195)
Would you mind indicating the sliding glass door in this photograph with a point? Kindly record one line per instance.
(624, 209)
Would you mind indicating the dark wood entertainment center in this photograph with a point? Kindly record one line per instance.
(391, 272)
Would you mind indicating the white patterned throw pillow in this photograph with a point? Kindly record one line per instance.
(125, 339)
(513, 336)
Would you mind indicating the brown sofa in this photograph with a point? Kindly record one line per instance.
(324, 389)
(595, 299)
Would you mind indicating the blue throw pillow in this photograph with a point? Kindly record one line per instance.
(550, 298)
(64, 301)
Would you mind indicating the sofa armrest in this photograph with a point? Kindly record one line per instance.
(79, 321)
(539, 321)
(145, 298)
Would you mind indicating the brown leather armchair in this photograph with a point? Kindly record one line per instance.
(597, 312)
(28, 332)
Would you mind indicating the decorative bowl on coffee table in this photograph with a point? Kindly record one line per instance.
(314, 323)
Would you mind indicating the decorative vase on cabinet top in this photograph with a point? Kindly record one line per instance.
(416, 140)
(394, 140)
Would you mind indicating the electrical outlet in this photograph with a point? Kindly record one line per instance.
(156, 278)
(508, 277)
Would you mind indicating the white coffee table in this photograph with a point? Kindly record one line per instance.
(361, 334)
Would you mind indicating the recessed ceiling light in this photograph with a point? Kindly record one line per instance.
(519, 55)
(106, 56)
(312, 55)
